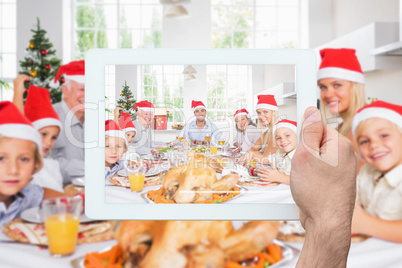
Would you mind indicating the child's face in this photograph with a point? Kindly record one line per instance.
(335, 93)
(130, 136)
(49, 136)
(380, 144)
(17, 164)
(114, 149)
(286, 139)
(242, 122)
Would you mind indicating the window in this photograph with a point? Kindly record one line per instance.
(227, 90)
(255, 23)
(116, 24)
(163, 86)
(110, 88)
(8, 45)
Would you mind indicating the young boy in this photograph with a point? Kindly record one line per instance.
(20, 158)
(285, 133)
(377, 129)
(115, 147)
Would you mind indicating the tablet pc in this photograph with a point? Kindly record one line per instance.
(253, 202)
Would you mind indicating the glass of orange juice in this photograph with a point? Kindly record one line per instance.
(136, 177)
(62, 218)
(214, 148)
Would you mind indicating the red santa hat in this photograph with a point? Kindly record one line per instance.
(14, 124)
(241, 112)
(38, 108)
(285, 123)
(144, 106)
(197, 104)
(112, 129)
(74, 71)
(125, 122)
(378, 109)
(340, 63)
(267, 102)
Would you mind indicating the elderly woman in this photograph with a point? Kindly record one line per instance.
(246, 131)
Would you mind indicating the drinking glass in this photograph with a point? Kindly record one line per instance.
(62, 218)
(207, 138)
(136, 177)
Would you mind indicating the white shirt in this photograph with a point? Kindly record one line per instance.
(49, 176)
(382, 199)
(282, 161)
(248, 139)
(142, 142)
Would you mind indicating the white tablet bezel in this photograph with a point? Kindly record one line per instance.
(96, 59)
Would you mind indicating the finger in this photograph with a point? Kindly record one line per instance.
(312, 132)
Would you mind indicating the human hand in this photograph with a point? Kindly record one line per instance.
(247, 157)
(160, 147)
(323, 185)
(267, 174)
(117, 111)
(237, 144)
(18, 82)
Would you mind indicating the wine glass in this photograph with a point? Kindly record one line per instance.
(221, 141)
(207, 138)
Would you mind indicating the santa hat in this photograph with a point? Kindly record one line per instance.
(112, 129)
(38, 108)
(144, 106)
(74, 71)
(241, 112)
(267, 102)
(285, 123)
(125, 122)
(340, 63)
(197, 104)
(378, 109)
(14, 124)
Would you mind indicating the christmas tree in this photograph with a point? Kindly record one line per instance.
(127, 101)
(40, 63)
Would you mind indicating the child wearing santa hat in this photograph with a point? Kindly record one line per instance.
(20, 158)
(246, 130)
(115, 147)
(38, 109)
(129, 129)
(267, 111)
(341, 82)
(377, 129)
(285, 133)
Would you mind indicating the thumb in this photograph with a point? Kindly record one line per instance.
(311, 133)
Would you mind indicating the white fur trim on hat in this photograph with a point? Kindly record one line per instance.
(266, 106)
(129, 129)
(146, 109)
(239, 114)
(116, 133)
(199, 106)
(376, 112)
(284, 124)
(344, 74)
(23, 132)
(46, 122)
(76, 78)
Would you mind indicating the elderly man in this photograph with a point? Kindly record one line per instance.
(142, 141)
(199, 128)
(69, 147)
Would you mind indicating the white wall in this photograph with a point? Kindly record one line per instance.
(50, 14)
(320, 22)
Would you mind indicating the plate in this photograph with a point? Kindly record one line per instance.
(79, 182)
(242, 192)
(150, 173)
(289, 253)
(34, 215)
(228, 155)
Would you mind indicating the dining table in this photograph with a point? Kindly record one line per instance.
(372, 252)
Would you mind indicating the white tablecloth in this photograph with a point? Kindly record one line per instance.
(370, 253)
(267, 194)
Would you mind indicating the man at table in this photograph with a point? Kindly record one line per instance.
(200, 127)
(69, 146)
(142, 141)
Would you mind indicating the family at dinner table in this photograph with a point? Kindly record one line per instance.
(42, 145)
